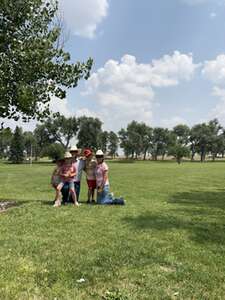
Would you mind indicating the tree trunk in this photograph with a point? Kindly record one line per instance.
(145, 153)
(203, 156)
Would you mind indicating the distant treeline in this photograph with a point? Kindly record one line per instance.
(138, 140)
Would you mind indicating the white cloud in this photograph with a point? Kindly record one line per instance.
(27, 126)
(214, 70)
(195, 2)
(219, 110)
(56, 105)
(86, 112)
(124, 91)
(83, 16)
(213, 15)
(202, 2)
(60, 105)
(172, 122)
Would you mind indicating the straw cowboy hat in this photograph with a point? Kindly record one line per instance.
(67, 155)
(99, 153)
(74, 149)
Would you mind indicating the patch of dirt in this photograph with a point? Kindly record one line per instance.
(6, 205)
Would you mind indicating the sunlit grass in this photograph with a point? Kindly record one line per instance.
(168, 242)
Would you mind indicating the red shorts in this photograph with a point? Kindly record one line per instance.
(91, 184)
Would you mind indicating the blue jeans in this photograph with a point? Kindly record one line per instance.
(65, 192)
(105, 198)
(77, 189)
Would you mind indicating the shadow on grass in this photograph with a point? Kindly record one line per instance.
(205, 199)
(195, 212)
(123, 161)
(198, 231)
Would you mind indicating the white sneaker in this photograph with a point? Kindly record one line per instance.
(57, 204)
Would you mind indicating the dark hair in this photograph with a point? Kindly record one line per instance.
(99, 156)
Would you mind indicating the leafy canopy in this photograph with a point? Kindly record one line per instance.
(33, 65)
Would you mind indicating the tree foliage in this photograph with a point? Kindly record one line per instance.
(61, 129)
(113, 143)
(17, 146)
(89, 132)
(5, 141)
(54, 151)
(33, 66)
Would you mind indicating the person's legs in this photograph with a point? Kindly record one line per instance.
(93, 195)
(73, 194)
(103, 197)
(58, 194)
(77, 189)
(89, 195)
(91, 190)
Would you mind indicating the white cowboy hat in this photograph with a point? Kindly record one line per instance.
(67, 155)
(99, 153)
(73, 149)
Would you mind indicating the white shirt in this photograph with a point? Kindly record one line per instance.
(79, 165)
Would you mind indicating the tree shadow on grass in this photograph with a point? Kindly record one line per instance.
(198, 231)
(200, 213)
(205, 199)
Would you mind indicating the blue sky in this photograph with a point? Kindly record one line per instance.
(161, 62)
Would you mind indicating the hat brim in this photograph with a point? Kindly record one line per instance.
(99, 156)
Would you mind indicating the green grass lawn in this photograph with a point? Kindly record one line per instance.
(168, 242)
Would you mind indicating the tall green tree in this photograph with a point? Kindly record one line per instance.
(125, 143)
(216, 141)
(6, 135)
(103, 141)
(61, 129)
(179, 151)
(182, 133)
(17, 146)
(89, 132)
(54, 151)
(33, 65)
(113, 143)
(42, 138)
(30, 143)
(160, 141)
(203, 138)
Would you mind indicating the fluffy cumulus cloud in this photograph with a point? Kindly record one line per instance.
(172, 122)
(124, 90)
(60, 105)
(219, 110)
(214, 70)
(83, 16)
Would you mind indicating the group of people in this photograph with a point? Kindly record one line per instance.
(68, 172)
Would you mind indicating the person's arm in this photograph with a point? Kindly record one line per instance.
(105, 177)
(72, 172)
(53, 174)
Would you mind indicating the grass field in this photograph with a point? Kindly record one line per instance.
(168, 242)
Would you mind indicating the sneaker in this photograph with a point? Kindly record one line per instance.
(88, 201)
(57, 204)
(77, 204)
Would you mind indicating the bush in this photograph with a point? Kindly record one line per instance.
(54, 151)
(179, 151)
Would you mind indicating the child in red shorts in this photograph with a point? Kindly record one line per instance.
(90, 165)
